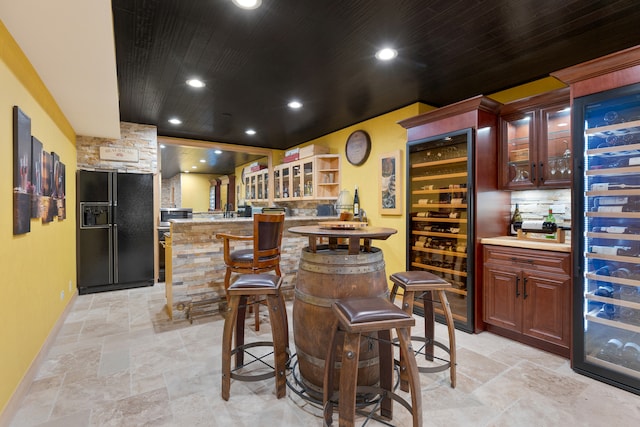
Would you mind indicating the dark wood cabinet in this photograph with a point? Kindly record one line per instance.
(535, 142)
(527, 296)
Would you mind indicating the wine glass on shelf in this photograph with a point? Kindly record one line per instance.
(553, 167)
(562, 167)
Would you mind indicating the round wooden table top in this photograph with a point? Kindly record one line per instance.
(379, 233)
(353, 235)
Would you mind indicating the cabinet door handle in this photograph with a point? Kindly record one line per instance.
(541, 173)
(533, 173)
(524, 289)
(517, 286)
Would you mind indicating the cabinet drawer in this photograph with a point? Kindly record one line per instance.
(553, 262)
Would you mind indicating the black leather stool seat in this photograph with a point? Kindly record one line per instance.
(421, 279)
(262, 281)
(361, 310)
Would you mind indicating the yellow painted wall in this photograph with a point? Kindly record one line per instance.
(386, 136)
(194, 188)
(39, 267)
(528, 89)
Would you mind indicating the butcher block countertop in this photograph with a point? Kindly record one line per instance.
(514, 242)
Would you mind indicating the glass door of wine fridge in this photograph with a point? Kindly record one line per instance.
(439, 230)
(607, 217)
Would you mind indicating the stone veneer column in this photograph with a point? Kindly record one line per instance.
(143, 138)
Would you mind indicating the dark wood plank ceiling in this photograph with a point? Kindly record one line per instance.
(322, 53)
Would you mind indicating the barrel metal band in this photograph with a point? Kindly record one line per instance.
(345, 269)
(362, 363)
(325, 302)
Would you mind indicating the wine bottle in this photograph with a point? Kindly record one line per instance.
(603, 186)
(622, 163)
(613, 230)
(622, 273)
(604, 291)
(549, 223)
(516, 221)
(612, 250)
(611, 350)
(356, 204)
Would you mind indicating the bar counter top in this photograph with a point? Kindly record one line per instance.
(514, 242)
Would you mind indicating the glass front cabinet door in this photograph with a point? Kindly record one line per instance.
(536, 138)
(438, 222)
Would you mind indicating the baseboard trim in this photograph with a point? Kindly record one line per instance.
(13, 405)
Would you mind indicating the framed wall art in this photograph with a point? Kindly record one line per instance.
(390, 184)
(22, 167)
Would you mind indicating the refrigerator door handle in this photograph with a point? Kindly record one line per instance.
(111, 252)
(114, 253)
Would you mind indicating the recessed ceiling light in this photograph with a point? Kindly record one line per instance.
(218, 151)
(195, 83)
(194, 167)
(175, 121)
(162, 145)
(250, 132)
(186, 171)
(386, 54)
(202, 161)
(295, 104)
(247, 4)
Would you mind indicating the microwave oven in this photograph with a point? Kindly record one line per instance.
(167, 214)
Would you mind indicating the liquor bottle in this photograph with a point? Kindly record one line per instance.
(356, 204)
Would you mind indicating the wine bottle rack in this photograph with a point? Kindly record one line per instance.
(439, 229)
(612, 259)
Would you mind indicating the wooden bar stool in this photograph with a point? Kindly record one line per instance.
(356, 316)
(247, 286)
(414, 282)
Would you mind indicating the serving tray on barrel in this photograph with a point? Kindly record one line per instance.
(342, 225)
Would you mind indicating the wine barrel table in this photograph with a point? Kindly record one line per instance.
(326, 273)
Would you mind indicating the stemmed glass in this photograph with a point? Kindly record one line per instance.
(562, 166)
(553, 164)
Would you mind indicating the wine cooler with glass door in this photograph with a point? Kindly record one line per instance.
(439, 221)
(607, 244)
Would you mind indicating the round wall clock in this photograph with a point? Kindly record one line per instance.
(358, 147)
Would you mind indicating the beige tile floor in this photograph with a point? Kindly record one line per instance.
(118, 361)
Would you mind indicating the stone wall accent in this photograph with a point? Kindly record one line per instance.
(198, 259)
(143, 138)
(169, 186)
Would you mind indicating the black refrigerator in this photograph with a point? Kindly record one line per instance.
(606, 235)
(115, 231)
